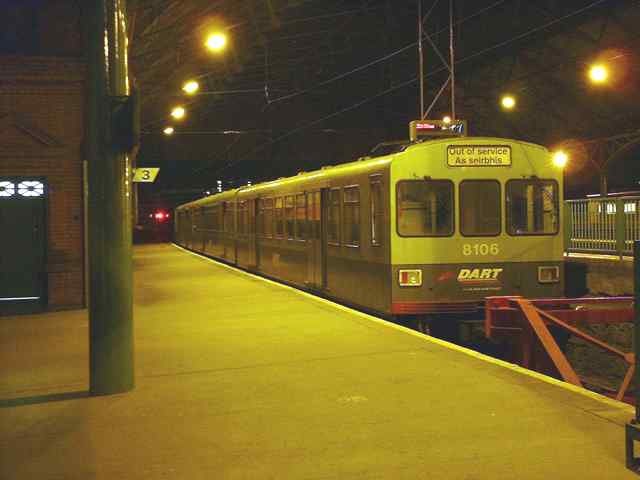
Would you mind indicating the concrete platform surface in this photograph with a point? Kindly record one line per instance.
(239, 378)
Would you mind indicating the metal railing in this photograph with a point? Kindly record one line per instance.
(602, 225)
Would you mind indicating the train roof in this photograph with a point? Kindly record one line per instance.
(357, 166)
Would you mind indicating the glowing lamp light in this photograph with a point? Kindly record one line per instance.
(598, 73)
(178, 113)
(190, 87)
(216, 41)
(168, 131)
(560, 159)
(508, 102)
(446, 119)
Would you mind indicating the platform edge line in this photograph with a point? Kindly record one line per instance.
(480, 356)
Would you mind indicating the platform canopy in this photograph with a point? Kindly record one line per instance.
(302, 83)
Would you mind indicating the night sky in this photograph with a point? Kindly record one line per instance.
(303, 84)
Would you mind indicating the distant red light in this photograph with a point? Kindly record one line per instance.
(160, 216)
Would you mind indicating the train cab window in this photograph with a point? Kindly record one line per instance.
(266, 213)
(425, 208)
(279, 217)
(351, 216)
(301, 217)
(532, 207)
(480, 213)
(376, 210)
(289, 213)
(333, 217)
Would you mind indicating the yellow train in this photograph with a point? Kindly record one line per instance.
(417, 230)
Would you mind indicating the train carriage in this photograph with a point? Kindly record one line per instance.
(426, 229)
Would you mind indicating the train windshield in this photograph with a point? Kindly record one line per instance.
(425, 208)
(480, 208)
(532, 207)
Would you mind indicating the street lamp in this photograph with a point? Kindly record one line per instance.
(168, 131)
(446, 119)
(190, 87)
(598, 73)
(178, 113)
(508, 102)
(216, 42)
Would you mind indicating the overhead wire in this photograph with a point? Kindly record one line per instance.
(407, 83)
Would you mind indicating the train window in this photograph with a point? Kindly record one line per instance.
(333, 217)
(532, 207)
(218, 218)
(301, 217)
(279, 217)
(208, 213)
(425, 208)
(242, 217)
(351, 216)
(480, 212)
(228, 217)
(266, 210)
(376, 211)
(290, 215)
(251, 217)
(313, 215)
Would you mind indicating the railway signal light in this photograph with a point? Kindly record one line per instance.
(160, 216)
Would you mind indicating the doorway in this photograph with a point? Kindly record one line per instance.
(23, 237)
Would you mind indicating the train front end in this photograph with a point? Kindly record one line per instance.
(473, 218)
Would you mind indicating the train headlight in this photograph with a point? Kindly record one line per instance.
(410, 278)
(549, 274)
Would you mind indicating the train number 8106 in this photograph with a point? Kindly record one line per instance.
(483, 249)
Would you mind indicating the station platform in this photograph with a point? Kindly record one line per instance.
(242, 378)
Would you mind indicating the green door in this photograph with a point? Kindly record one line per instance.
(22, 245)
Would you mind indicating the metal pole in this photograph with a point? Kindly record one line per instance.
(632, 430)
(109, 204)
(452, 62)
(604, 188)
(636, 323)
(420, 59)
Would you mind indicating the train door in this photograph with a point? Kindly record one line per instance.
(316, 276)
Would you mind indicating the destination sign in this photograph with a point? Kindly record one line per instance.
(479, 155)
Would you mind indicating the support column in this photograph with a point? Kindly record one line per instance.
(109, 203)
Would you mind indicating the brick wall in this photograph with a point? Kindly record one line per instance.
(42, 102)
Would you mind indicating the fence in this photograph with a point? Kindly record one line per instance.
(602, 225)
